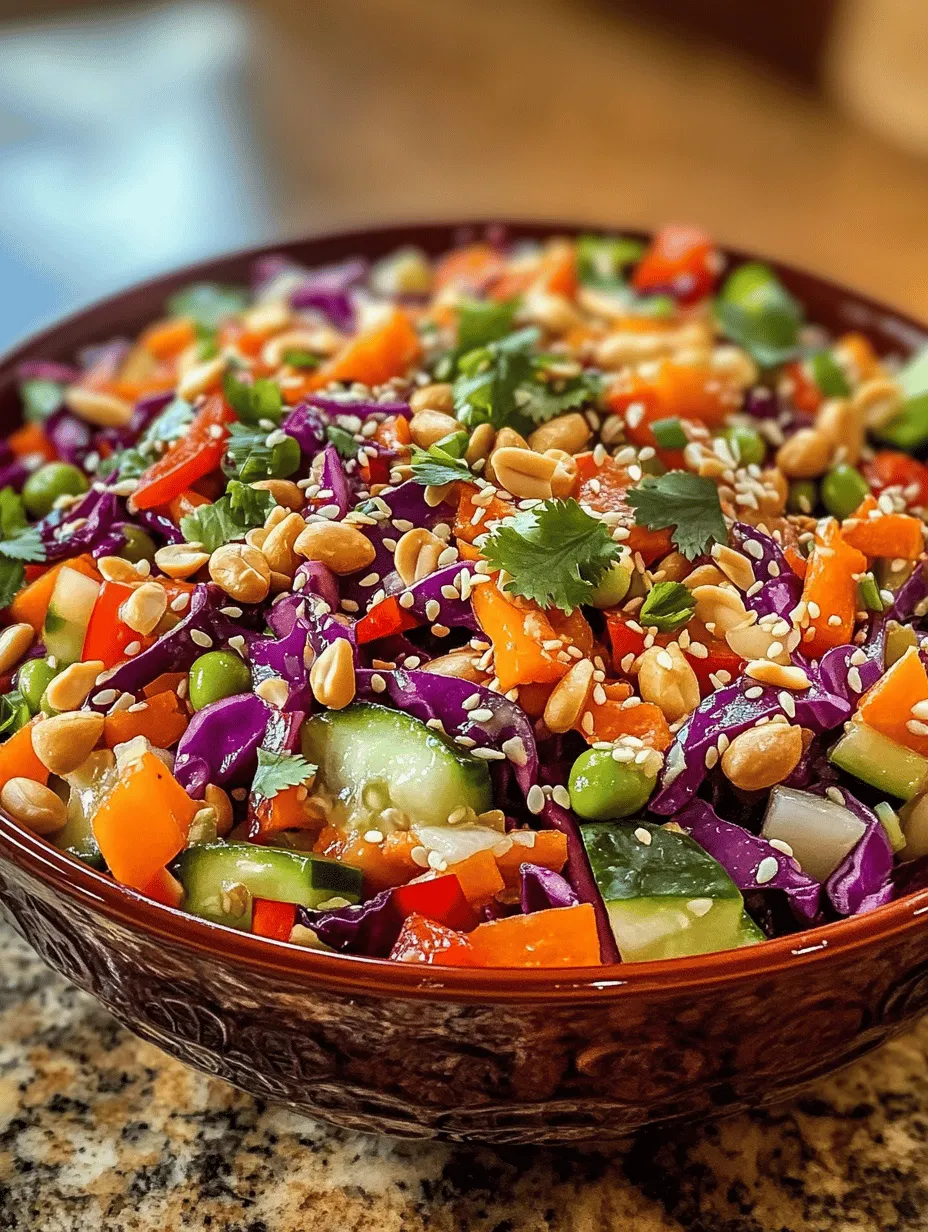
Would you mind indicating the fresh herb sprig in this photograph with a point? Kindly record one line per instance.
(687, 503)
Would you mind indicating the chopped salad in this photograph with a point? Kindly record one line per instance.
(541, 604)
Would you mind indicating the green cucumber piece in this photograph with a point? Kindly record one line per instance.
(666, 897)
(68, 615)
(371, 758)
(875, 759)
(212, 874)
(88, 785)
(750, 933)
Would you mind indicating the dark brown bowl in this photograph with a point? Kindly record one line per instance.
(497, 1056)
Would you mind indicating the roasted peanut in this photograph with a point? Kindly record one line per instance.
(806, 454)
(337, 544)
(241, 571)
(144, 608)
(15, 640)
(102, 410)
(435, 397)
(568, 432)
(763, 756)
(181, 560)
(416, 554)
(429, 426)
(33, 805)
(63, 742)
(71, 688)
(332, 677)
(666, 678)
(568, 698)
(279, 546)
(284, 491)
(525, 474)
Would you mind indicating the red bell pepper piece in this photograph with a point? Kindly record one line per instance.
(425, 941)
(888, 468)
(440, 899)
(681, 261)
(384, 618)
(107, 636)
(191, 457)
(273, 919)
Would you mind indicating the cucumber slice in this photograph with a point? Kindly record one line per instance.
(213, 874)
(371, 758)
(666, 897)
(88, 786)
(68, 615)
(751, 933)
(879, 761)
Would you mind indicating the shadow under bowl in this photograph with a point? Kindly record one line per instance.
(492, 1056)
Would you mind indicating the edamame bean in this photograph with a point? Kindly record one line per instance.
(747, 444)
(138, 545)
(32, 679)
(602, 789)
(803, 496)
(613, 586)
(44, 486)
(218, 674)
(843, 488)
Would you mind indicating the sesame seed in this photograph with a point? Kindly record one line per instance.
(514, 750)
(835, 794)
(643, 836)
(854, 680)
(754, 692)
(780, 844)
(767, 870)
(369, 579)
(699, 907)
(373, 836)
(134, 647)
(787, 701)
(378, 684)
(197, 637)
(711, 758)
(535, 799)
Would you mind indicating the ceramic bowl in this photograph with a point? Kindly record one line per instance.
(494, 1056)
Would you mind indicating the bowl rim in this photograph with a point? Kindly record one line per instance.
(356, 974)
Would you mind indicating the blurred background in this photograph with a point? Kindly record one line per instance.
(134, 137)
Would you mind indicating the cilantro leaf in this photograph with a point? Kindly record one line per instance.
(231, 517)
(12, 574)
(541, 401)
(168, 426)
(668, 607)
(688, 503)
(435, 466)
(480, 322)
(344, 442)
(555, 553)
(277, 771)
(14, 713)
(27, 545)
(249, 457)
(298, 358)
(40, 398)
(252, 403)
(485, 392)
(602, 259)
(207, 304)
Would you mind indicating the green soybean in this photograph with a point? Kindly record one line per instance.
(32, 679)
(218, 674)
(803, 496)
(613, 586)
(843, 488)
(138, 545)
(603, 789)
(747, 444)
(44, 486)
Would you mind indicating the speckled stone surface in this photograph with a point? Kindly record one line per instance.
(101, 1132)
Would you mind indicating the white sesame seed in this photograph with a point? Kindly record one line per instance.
(535, 799)
(643, 836)
(767, 870)
(198, 638)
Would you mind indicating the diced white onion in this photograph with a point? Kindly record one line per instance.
(820, 832)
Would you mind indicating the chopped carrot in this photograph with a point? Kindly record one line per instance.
(796, 561)
(375, 357)
(549, 850)
(896, 535)
(30, 439)
(859, 350)
(887, 707)
(164, 888)
(670, 389)
(555, 273)
(518, 636)
(468, 524)
(602, 486)
(830, 590)
(272, 919)
(573, 629)
(142, 824)
(166, 339)
(18, 758)
(384, 865)
(558, 937)
(167, 682)
(611, 720)
(285, 811)
(31, 604)
(480, 877)
(163, 721)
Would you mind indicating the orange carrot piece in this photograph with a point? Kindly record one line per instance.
(422, 940)
(384, 865)
(31, 439)
(375, 357)
(163, 721)
(549, 851)
(31, 604)
(142, 824)
(887, 707)
(18, 758)
(167, 682)
(164, 888)
(285, 811)
(166, 339)
(889, 534)
(479, 877)
(831, 590)
(558, 937)
(470, 268)
(464, 525)
(517, 636)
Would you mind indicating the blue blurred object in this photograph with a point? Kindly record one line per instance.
(125, 149)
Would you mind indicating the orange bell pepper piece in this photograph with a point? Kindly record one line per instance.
(670, 389)
(555, 273)
(479, 877)
(887, 707)
(889, 534)
(602, 486)
(184, 503)
(167, 682)
(470, 269)
(163, 721)
(468, 523)
(18, 758)
(558, 937)
(31, 604)
(285, 811)
(859, 350)
(549, 851)
(143, 823)
(830, 590)
(166, 339)
(426, 941)
(384, 865)
(30, 439)
(518, 638)
(375, 357)
(273, 919)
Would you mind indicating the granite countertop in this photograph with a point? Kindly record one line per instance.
(103, 1133)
